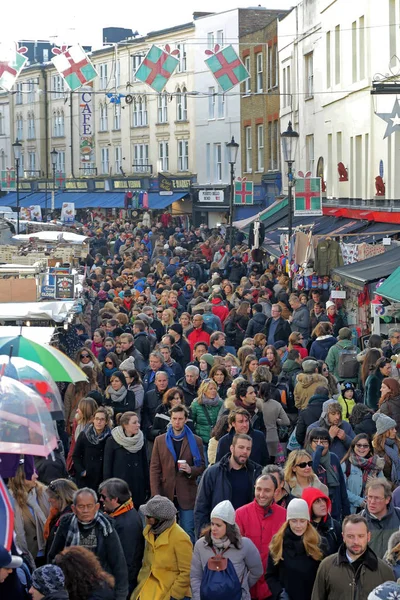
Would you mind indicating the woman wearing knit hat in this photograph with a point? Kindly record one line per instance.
(48, 582)
(387, 445)
(206, 363)
(242, 566)
(294, 555)
(389, 403)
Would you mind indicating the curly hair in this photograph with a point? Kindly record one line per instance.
(82, 571)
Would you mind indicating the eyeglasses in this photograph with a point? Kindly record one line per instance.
(362, 446)
(85, 355)
(321, 442)
(303, 465)
(108, 362)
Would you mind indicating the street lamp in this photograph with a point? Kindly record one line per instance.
(233, 148)
(17, 148)
(289, 147)
(53, 156)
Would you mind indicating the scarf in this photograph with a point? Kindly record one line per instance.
(92, 436)
(162, 526)
(121, 510)
(73, 534)
(220, 544)
(370, 467)
(89, 364)
(331, 475)
(251, 409)
(108, 372)
(209, 401)
(96, 348)
(53, 514)
(117, 395)
(393, 453)
(132, 444)
(191, 440)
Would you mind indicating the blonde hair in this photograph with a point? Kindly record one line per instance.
(378, 442)
(170, 317)
(311, 540)
(293, 459)
(203, 388)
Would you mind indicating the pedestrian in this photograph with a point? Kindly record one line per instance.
(311, 414)
(83, 417)
(60, 494)
(117, 395)
(295, 554)
(335, 364)
(48, 583)
(84, 577)
(389, 403)
(205, 410)
(320, 508)
(323, 340)
(75, 392)
(10, 583)
(340, 432)
(282, 496)
(382, 516)
(88, 455)
(299, 473)
(386, 444)
(277, 328)
(239, 420)
(162, 418)
(346, 399)
(222, 378)
(380, 371)
(307, 383)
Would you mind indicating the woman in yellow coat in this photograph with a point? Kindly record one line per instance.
(165, 571)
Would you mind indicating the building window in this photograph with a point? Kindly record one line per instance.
(273, 135)
(117, 159)
(220, 37)
(260, 147)
(19, 95)
(58, 124)
(361, 46)
(211, 103)
(31, 91)
(31, 126)
(60, 163)
(20, 128)
(217, 162)
(136, 62)
(309, 73)
(163, 156)
(57, 87)
(141, 158)
(45, 55)
(310, 153)
(248, 149)
(286, 92)
(117, 73)
(337, 54)
(2, 127)
(181, 104)
(140, 112)
(181, 57)
(221, 104)
(247, 83)
(105, 161)
(183, 155)
(103, 117)
(259, 67)
(270, 67)
(328, 59)
(117, 116)
(275, 79)
(31, 164)
(162, 108)
(210, 40)
(103, 72)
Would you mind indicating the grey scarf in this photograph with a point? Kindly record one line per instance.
(162, 526)
(210, 402)
(331, 475)
(117, 395)
(133, 444)
(220, 544)
(74, 536)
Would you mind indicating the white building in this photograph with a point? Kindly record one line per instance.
(5, 134)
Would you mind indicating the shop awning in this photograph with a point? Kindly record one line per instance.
(369, 270)
(390, 289)
(244, 224)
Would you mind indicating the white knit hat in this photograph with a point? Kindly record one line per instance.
(297, 509)
(329, 304)
(224, 511)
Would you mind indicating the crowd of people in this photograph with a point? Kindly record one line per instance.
(231, 441)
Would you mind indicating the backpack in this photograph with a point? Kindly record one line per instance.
(348, 364)
(220, 580)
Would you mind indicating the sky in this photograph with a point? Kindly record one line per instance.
(78, 21)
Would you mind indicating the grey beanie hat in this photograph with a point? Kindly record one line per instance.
(127, 364)
(48, 580)
(309, 365)
(383, 423)
(160, 508)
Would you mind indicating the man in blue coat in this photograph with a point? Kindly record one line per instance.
(239, 420)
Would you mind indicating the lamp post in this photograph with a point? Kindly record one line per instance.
(17, 148)
(289, 146)
(53, 155)
(233, 148)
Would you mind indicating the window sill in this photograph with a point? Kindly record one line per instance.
(249, 171)
(161, 123)
(259, 171)
(29, 139)
(115, 129)
(56, 136)
(103, 131)
(211, 119)
(259, 92)
(184, 121)
(247, 94)
(139, 126)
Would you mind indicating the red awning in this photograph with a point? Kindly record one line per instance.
(363, 215)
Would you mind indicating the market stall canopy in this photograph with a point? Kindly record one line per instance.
(390, 288)
(25, 311)
(52, 236)
(369, 270)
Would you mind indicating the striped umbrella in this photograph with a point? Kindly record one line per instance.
(58, 365)
(6, 517)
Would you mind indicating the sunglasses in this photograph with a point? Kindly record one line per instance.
(303, 465)
(85, 355)
(52, 488)
(362, 446)
(108, 362)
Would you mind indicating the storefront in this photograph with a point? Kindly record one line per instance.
(210, 205)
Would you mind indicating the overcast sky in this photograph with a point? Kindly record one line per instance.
(77, 20)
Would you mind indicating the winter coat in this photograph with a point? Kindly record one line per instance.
(338, 446)
(165, 571)
(301, 321)
(130, 532)
(219, 309)
(367, 425)
(391, 407)
(167, 480)
(290, 370)
(295, 573)
(354, 485)
(88, 457)
(338, 494)
(328, 256)
(392, 555)
(149, 378)
(372, 390)
(151, 401)
(203, 425)
(274, 414)
(108, 551)
(282, 332)
(320, 347)
(260, 525)
(128, 404)
(189, 391)
(142, 343)
(382, 529)
(256, 325)
(259, 449)
(332, 358)
(132, 467)
(335, 578)
(257, 419)
(103, 592)
(215, 487)
(245, 560)
(186, 352)
(235, 330)
(305, 387)
(202, 334)
(347, 406)
(212, 321)
(329, 529)
(309, 415)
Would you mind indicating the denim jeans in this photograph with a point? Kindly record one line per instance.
(186, 521)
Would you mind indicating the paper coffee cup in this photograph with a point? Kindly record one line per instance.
(180, 463)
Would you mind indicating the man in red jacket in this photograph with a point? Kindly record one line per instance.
(259, 521)
(199, 333)
(219, 308)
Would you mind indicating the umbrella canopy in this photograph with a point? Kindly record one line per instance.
(58, 365)
(26, 426)
(38, 379)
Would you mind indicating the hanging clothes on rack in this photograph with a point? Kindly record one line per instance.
(328, 256)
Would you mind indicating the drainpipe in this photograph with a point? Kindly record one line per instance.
(71, 134)
(46, 121)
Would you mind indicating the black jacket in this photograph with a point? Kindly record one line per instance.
(109, 552)
(103, 592)
(54, 525)
(88, 457)
(142, 343)
(189, 391)
(367, 425)
(127, 404)
(331, 532)
(309, 415)
(215, 487)
(158, 328)
(282, 331)
(183, 345)
(151, 401)
(259, 451)
(235, 330)
(48, 469)
(131, 467)
(130, 531)
(256, 325)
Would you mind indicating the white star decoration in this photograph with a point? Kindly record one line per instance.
(392, 119)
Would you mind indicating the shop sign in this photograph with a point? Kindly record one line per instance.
(65, 287)
(76, 185)
(86, 143)
(47, 291)
(125, 184)
(169, 185)
(211, 196)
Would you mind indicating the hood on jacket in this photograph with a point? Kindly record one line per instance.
(311, 494)
(289, 366)
(393, 540)
(318, 399)
(344, 343)
(230, 403)
(325, 341)
(308, 379)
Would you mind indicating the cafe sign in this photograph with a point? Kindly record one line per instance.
(65, 287)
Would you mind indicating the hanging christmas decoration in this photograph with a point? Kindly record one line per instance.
(243, 191)
(12, 61)
(308, 198)
(157, 67)
(392, 119)
(226, 67)
(74, 66)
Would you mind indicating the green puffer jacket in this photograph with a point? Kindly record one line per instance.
(200, 421)
(332, 359)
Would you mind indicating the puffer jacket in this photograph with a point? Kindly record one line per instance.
(201, 424)
(305, 387)
(391, 407)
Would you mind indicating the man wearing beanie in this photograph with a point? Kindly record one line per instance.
(48, 583)
(176, 330)
(355, 570)
(165, 571)
(320, 508)
(382, 516)
(333, 357)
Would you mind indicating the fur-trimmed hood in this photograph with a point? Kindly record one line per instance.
(229, 403)
(392, 556)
